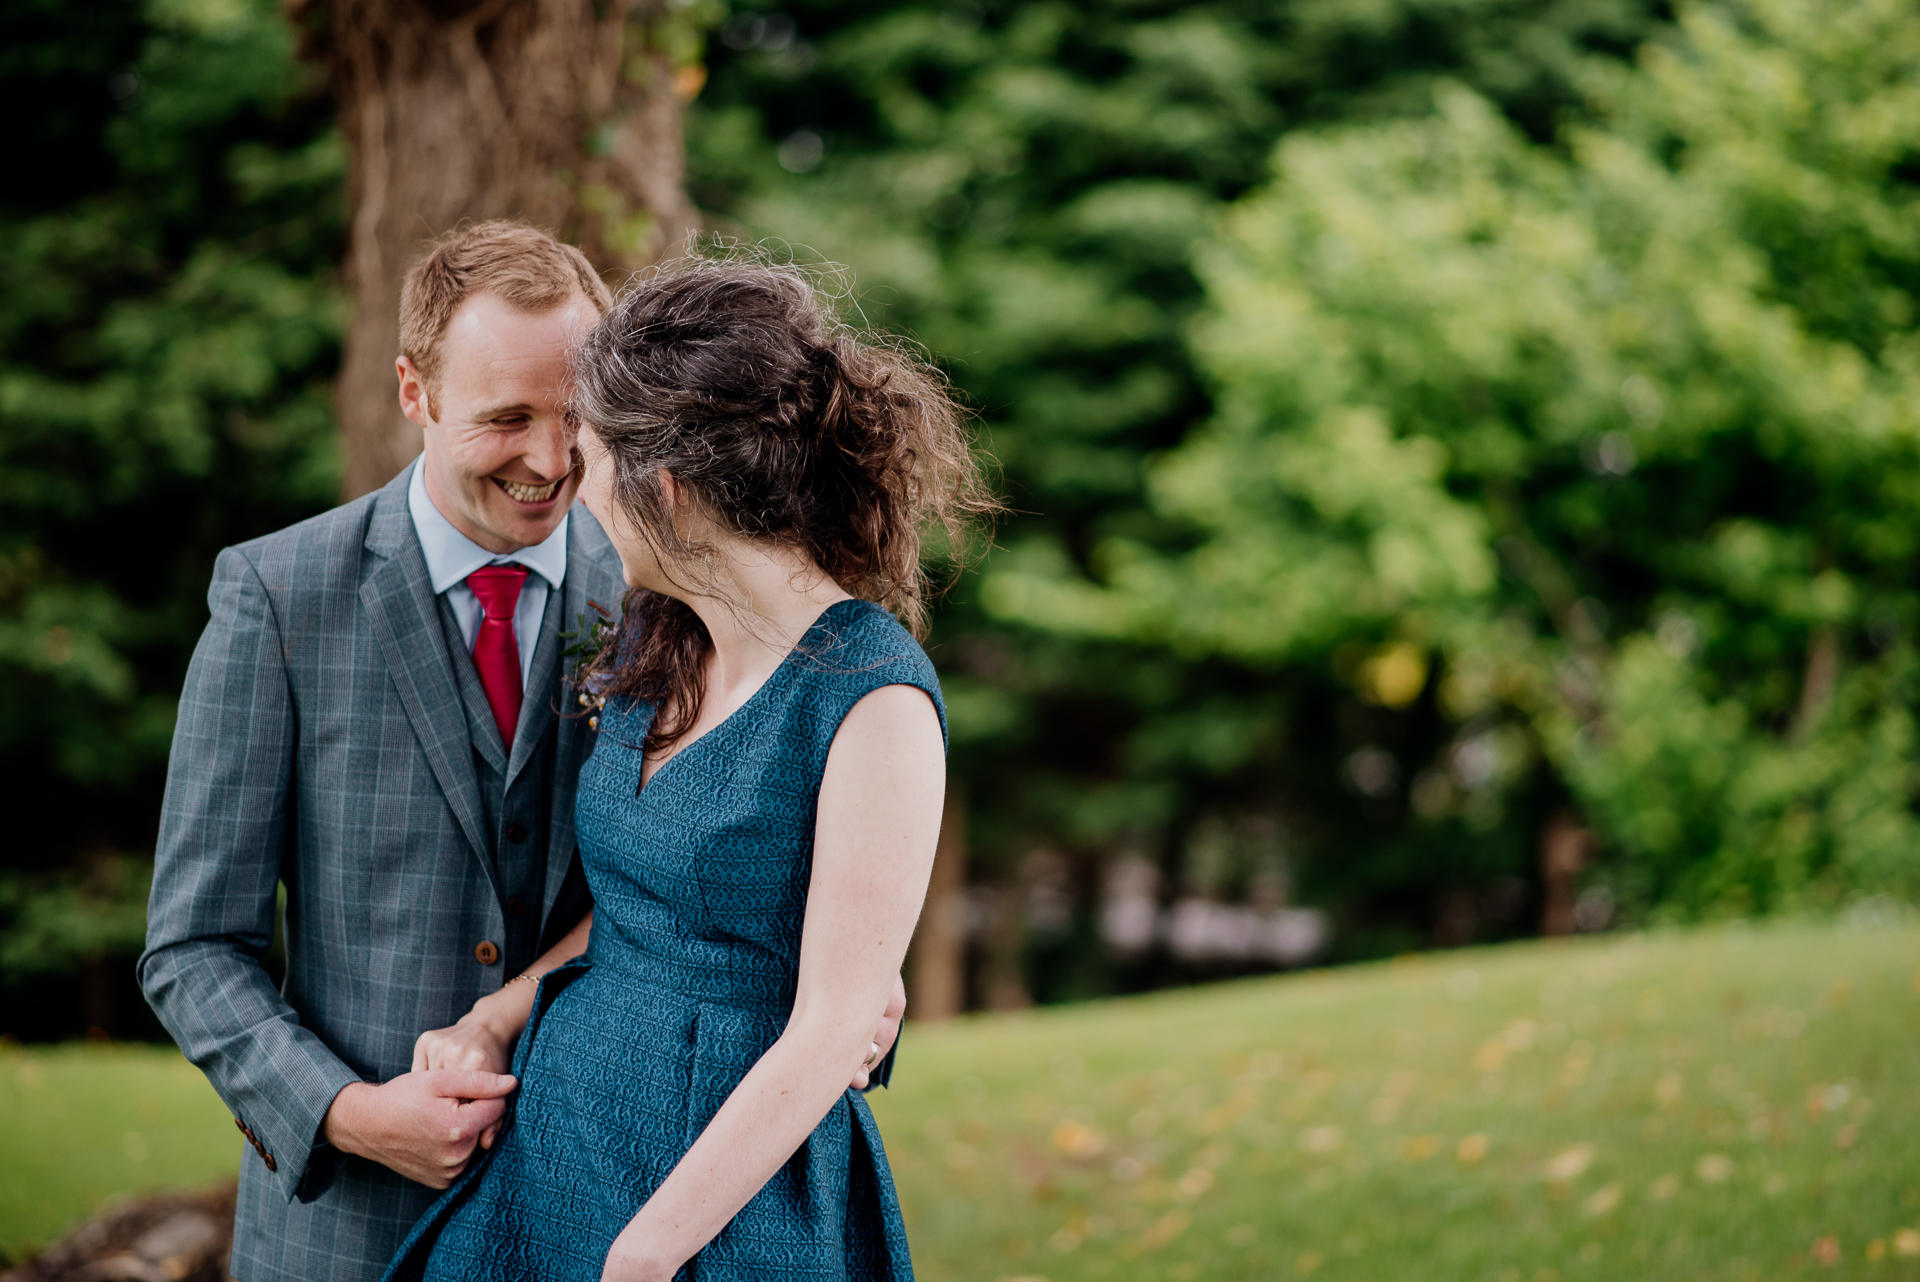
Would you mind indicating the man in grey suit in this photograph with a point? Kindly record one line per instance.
(376, 717)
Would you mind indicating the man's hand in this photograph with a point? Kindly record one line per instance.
(423, 1125)
(886, 1034)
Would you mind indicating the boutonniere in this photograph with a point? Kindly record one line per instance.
(591, 642)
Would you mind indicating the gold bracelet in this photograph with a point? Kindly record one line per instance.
(528, 976)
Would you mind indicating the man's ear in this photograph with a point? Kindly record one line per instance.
(415, 400)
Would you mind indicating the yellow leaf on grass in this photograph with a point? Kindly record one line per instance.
(1471, 1148)
(1568, 1164)
(1713, 1168)
(1320, 1139)
(1076, 1139)
(1422, 1147)
(1163, 1231)
(1906, 1242)
(1604, 1200)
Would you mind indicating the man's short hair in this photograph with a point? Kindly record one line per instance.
(520, 264)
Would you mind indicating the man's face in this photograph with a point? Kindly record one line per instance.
(499, 454)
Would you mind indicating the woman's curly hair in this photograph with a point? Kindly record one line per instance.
(735, 378)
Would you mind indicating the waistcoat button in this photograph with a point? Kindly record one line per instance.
(516, 833)
(515, 905)
(486, 952)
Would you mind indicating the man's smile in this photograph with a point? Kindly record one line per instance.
(527, 493)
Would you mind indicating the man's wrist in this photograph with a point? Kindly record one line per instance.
(338, 1127)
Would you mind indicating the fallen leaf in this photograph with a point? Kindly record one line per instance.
(1664, 1187)
(1163, 1231)
(1320, 1139)
(1713, 1168)
(1076, 1139)
(1847, 1136)
(1307, 1262)
(1491, 1056)
(1603, 1201)
(1906, 1242)
(1422, 1147)
(1568, 1164)
(1825, 1250)
(1195, 1182)
(1472, 1147)
(1877, 1249)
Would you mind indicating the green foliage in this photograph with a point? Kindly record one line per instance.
(1023, 187)
(57, 924)
(1664, 376)
(168, 333)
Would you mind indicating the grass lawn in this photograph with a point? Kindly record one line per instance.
(1727, 1104)
(81, 1123)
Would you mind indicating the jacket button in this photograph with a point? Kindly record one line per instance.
(244, 1129)
(268, 1159)
(486, 953)
(516, 832)
(515, 905)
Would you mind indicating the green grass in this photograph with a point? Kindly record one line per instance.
(1727, 1104)
(1707, 1105)
(80, 1124)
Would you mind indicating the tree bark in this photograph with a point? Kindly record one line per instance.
(937, 964)
(564, 113)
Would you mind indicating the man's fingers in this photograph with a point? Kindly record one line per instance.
(472, 1083)
(482, 1112)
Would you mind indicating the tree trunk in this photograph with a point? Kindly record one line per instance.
(937, 965)
(1565, 850)
(564, 113)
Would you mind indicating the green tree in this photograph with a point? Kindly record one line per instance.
(168, 332)
(1021, 185)
(1624, 434)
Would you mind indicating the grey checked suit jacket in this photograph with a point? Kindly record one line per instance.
(324, 741)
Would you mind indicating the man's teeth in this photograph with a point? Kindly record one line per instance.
(528, 493)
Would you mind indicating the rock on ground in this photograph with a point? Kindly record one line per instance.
(172, 1237)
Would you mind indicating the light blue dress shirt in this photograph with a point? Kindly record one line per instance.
(452, 556)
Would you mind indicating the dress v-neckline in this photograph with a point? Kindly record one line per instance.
(646, 782)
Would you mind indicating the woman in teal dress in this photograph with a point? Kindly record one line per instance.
(758, 819)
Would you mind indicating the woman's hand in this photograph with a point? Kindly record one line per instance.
(884, 1035)
(483, 1040)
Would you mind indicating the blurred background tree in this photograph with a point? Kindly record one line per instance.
(1490, 509)
(564, 114)
(169, 328)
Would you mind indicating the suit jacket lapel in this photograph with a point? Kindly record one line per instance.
(399, 601)
(485, 732)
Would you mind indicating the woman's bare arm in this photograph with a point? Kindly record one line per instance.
(879, 818)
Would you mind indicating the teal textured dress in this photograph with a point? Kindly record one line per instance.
(700, 890)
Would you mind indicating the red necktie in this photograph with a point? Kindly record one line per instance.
(495, 653)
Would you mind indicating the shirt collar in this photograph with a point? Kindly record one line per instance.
(452, 556)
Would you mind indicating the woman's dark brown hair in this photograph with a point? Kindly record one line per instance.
(734, 378)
